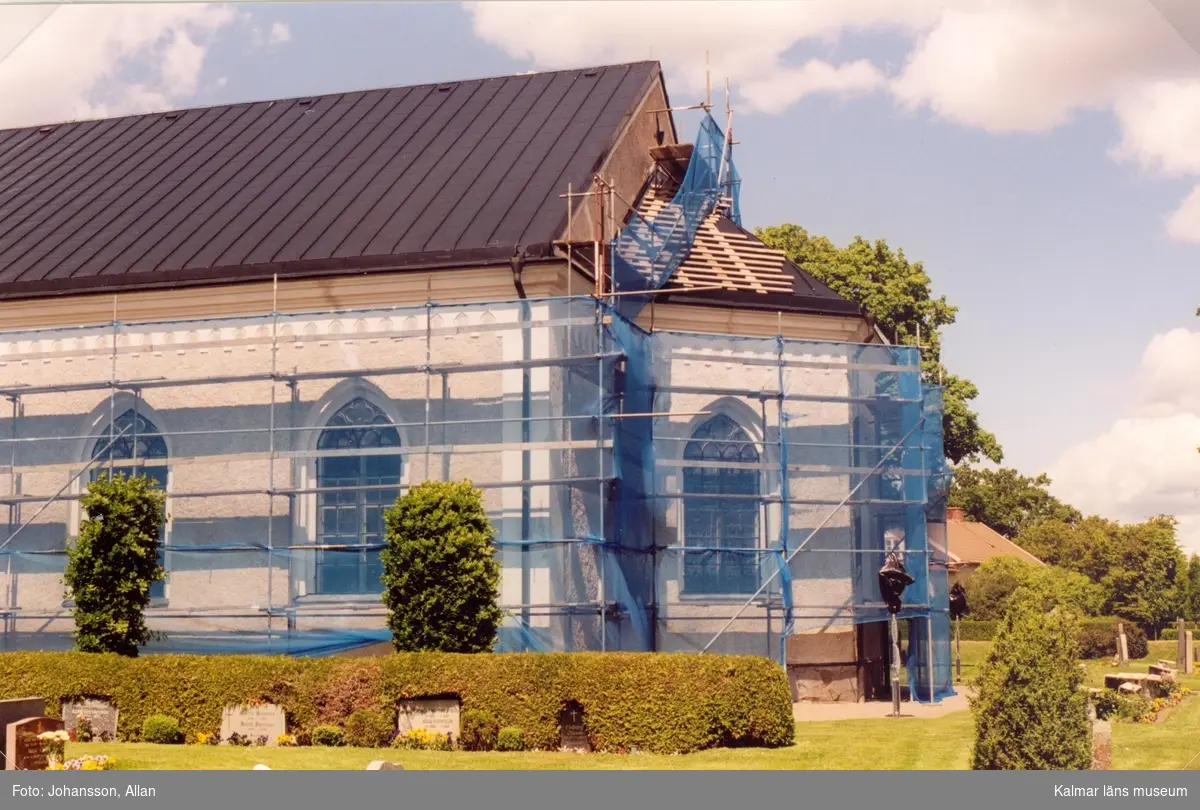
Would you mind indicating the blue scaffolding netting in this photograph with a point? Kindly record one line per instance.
(647, 252)
(650, 491)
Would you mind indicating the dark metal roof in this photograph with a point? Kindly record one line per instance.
(431, 175)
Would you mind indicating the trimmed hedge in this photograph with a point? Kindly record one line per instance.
(976, 629)
(1097, 637)
(655, 702)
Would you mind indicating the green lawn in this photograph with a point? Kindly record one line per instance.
(908, 744)
(883, 744)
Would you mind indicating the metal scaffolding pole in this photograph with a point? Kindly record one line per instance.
(14, 517)
(785, 522)
(112, 389)
(604, 488)
(271, 461)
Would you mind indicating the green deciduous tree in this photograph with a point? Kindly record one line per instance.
(1030, 711)
(1189, 596)
(898, 294)
(1007, 501)
(1143, 580)
(441, 579)
(113, 562)
(991, 587)
(1140, 566)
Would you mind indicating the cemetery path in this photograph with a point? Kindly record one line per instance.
(810, 712)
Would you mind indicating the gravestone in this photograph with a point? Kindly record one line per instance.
(1101, 745)
(439, 715)
(1165, 670)
(1189, 653)
(384, 765)
(1180, 643)
(1122, 645)
(260, 720)
(572, 730)
(101, 713)
(23, 746)
(13, 710)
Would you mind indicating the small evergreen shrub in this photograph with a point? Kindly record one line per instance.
(478, 730)
(1030, 710)
(441, 578)
(328, 736)
(367, 728)
(113, 562)
(83, 730)
(510, 738)
(162, 730)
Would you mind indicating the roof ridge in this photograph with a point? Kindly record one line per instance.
(316, 96)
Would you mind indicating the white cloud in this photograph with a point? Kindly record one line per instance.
(280, 33)
(1184, 223)
(788, 85)
(998, 65)
(71, 66)
(1146, 463)
(747, 40)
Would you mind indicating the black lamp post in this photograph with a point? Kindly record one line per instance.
(958, 607)
(893, 579)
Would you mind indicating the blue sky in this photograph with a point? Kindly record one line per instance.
(1045, 186)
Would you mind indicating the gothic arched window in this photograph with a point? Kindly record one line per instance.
(133, 436)
(355, 489)
(720, 510)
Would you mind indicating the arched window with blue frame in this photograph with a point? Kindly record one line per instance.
(721, 485)
(356, 483)
(134, 437)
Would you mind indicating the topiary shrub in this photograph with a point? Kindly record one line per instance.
(510, 738)
(162, 730)
(478, 730)
(113, 562)
(328, 736)
(369, 728)
(441, 578)
(1030, 711)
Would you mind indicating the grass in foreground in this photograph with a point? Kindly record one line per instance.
(908, 743)
(1165, 746)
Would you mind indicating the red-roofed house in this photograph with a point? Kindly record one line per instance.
(971, 543)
